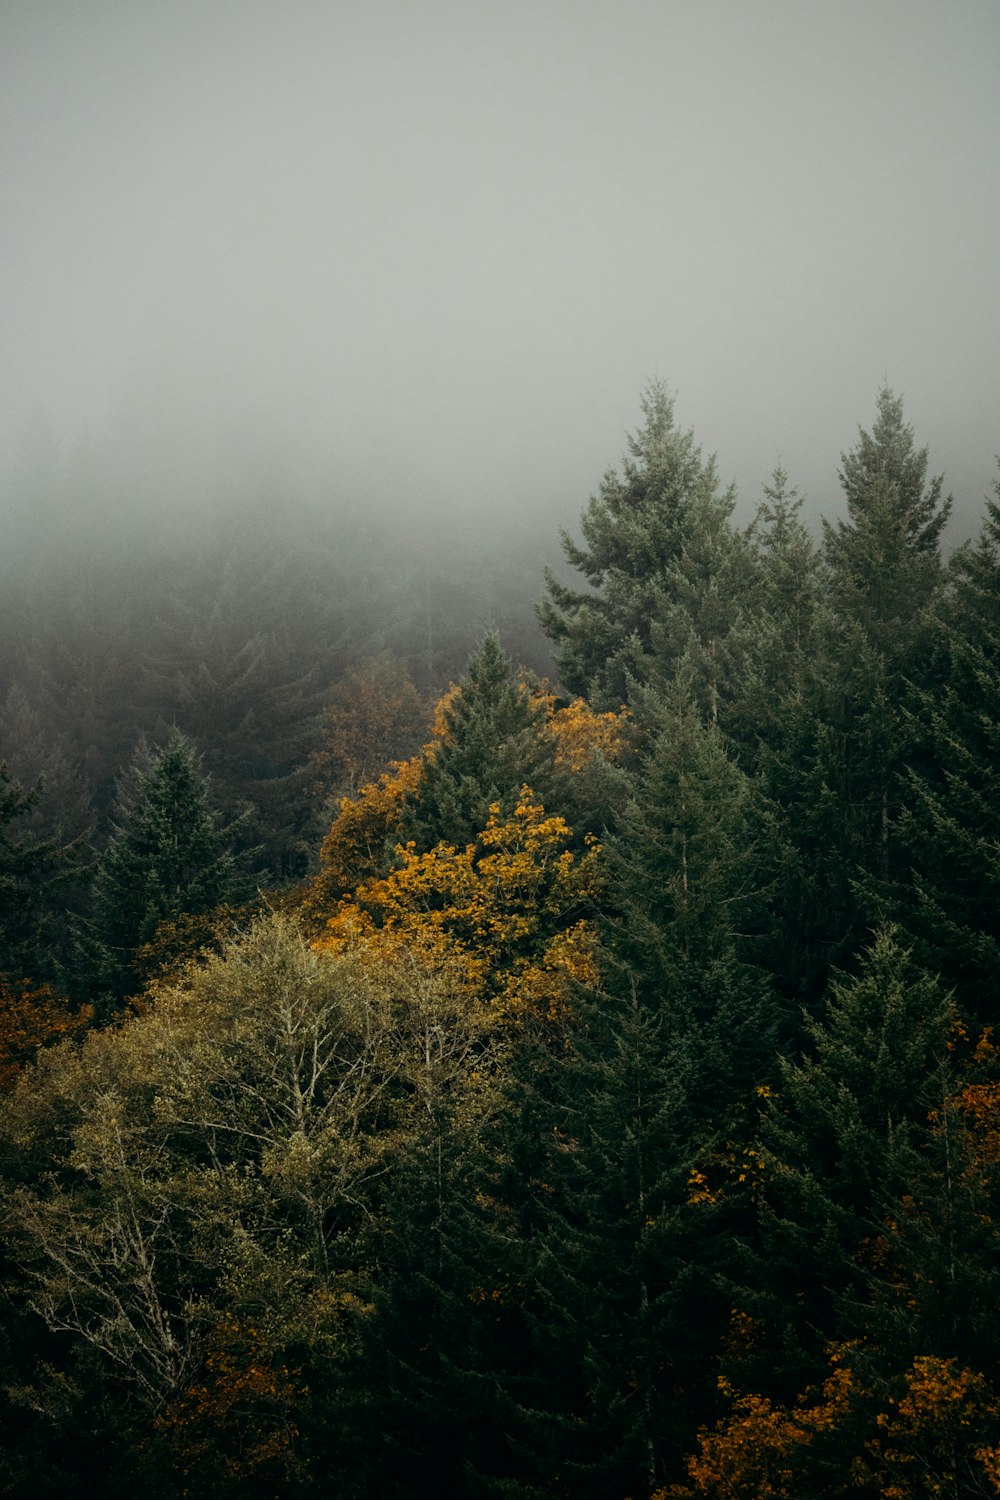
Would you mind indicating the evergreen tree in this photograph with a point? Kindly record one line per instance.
(31, 869)
(783, 637)
(168, 857)
(493, 740)
(839, 757)
(885, 557)
(623, 1136)
(667, 573)
(949, 891)
(841, 1142)
(251, 704)
(885, 571)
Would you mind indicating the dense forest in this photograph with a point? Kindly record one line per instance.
(459, 1045)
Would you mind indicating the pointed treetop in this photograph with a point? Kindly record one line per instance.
(493, 737)
(777, 510)
(654, 537)
(884, 557)
(886, 458)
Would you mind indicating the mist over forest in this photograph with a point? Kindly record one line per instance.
(499, 745)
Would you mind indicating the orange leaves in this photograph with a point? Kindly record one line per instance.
(930, 1441)
(758, 1451)
(978, 1102)
(238, 1421)
(755, 1452)
(540, 989)
(938, 1438)
(698, 1189)
(32, 1016)
(356, 847)
(359, 845)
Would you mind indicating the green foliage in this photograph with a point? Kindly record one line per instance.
(689, 872)
(842, 1140)
(31, 869)
(493, 740)
(551, 1162)
(838, 750)
(785, 632)
(168, 857)
(666, 571)
(199, 1231)
(884, 557)
(949, 893)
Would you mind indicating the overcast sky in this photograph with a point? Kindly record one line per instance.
(433, 250)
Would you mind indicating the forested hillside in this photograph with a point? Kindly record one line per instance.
(451, 1047)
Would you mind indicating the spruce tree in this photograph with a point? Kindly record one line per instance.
(885, 556)
(621, 1225)
(842, 1137)
(782, 635)
(168, 857)
(667, 573)
(838, 763)
(494, 739)
(948, 892)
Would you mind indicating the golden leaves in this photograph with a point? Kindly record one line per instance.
(936, 1438)
(505, 913)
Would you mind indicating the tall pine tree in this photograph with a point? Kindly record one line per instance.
(493, 740)
(948, 892)
(168, 857)
(667, 574)
(838, 759)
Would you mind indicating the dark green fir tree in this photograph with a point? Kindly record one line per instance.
(668, 576)
(842, 1140)
(948, 893)
(168, 858)
(617, 1222)
(494, 741)
(837, 760)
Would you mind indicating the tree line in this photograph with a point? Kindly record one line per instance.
(609, 1108)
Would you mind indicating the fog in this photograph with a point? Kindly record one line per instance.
(425, 256)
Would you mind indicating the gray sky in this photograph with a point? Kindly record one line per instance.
(432, 250)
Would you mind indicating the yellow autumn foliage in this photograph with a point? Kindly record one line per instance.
(581, 733)
(925, 1438)
(355, 847)
(755, 1452)
(938, 1437)
(506, 914)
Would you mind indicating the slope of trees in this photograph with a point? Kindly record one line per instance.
(600, 1095)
